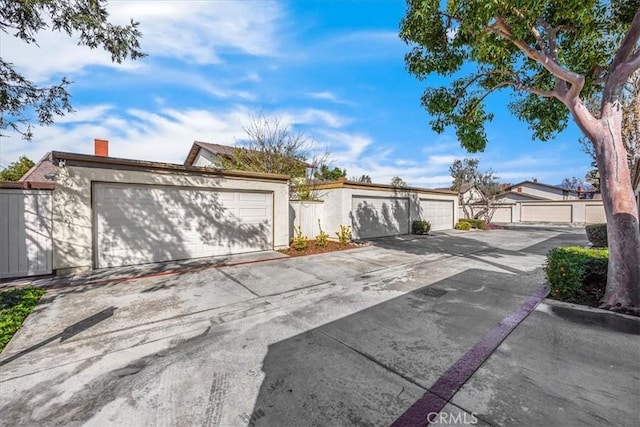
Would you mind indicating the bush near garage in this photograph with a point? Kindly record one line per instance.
(344, 235)
(463, 225)
(597, 235)
(479, 224)
(15, 306)
(570, 270)
(300, 241)
(322, 239)
(420, 227)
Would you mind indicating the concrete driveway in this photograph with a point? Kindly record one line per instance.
(346, 338)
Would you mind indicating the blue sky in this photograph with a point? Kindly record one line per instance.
(332, 69)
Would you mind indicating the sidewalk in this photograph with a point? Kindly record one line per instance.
(565, 365)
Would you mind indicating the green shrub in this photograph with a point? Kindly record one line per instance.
(420, 227)
(322, 238)
(344, 235)
(300, 242)
(569, 268)
(597, 235)
(463, 225)
(15, 306)
(479, 224)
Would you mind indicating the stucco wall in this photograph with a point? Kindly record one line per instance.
(73, 216)
(337, 203)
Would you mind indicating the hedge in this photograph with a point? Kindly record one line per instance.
(569, 268)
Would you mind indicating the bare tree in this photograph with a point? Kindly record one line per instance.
(362, 178)
(272, 146)
(477, 191)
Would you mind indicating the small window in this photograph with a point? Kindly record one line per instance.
(519, 189)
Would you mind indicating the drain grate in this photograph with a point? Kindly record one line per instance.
(432, 292)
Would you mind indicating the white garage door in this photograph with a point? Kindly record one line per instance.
(379, 216)
(438, 212)
(137, 224)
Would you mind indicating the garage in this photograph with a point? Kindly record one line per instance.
(379, 216)
(110, 212)
(438, 212)
(137, 224)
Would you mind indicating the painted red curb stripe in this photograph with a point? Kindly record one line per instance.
(443, 390)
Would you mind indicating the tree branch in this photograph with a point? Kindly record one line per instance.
(552, 35)
(539, 38)
(540, 92)
(628, 44)
(576, 80)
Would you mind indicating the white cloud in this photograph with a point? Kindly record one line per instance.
(192, 31)
(441, 161)
(323, 95)
(345, 147)
(312, 116)
(201, 32)
(219, 89)
(163, 135)
(88, 114)
(326, 96)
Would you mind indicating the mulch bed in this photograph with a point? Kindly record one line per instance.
(312, 248)
(591, 294)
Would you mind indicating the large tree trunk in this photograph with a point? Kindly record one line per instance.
(623, 277)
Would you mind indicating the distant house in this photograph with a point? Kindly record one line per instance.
(43, 171)
(469, 193)
(534, 190)
(207, 154)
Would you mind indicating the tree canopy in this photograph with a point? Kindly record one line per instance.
(553, 58)
(16, 170)
(22, 101)
(328, 174)
(547, 52)
(396, 181)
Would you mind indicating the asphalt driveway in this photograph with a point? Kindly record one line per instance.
(346, 338)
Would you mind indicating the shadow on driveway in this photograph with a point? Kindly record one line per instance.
(369, 367)
(68, 333)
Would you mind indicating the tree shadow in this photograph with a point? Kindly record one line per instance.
(169, 223)
(390, 219)
(368, 367)
(67, 333)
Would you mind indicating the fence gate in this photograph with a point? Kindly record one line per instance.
(25, 232)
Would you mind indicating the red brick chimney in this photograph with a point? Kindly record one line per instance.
(101, 147)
